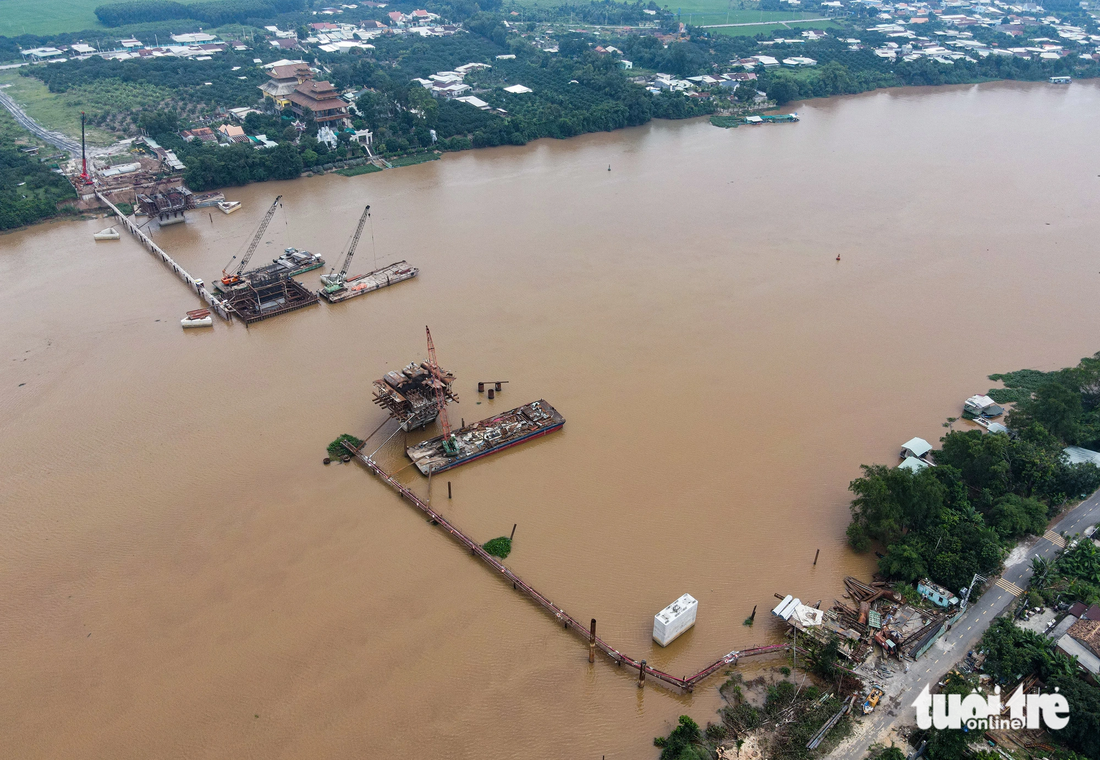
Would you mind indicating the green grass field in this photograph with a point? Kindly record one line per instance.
(50, 16)
(50, 110)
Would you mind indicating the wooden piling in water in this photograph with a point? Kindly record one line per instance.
(815, 555)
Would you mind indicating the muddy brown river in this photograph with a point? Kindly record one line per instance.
(184, 579)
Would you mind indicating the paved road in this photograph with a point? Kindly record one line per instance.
(903, 688)
(55, 139)
(784, 22)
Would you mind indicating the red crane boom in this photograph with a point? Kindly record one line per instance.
(450, 447)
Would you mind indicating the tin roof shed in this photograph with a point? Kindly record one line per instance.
(915, 447)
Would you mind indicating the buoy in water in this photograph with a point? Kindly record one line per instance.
(838, 257)
(609, 167)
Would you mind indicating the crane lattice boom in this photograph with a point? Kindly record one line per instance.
(335, 282)
(232, 279)
(449, 446)
(354, 241)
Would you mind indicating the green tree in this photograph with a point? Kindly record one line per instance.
(782, 89)
(1082, 734)
(903, 560)
(745, 92)
(286, 163)
(1015, 516)
(683, 743)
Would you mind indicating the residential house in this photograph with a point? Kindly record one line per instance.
(233, 133)
(202, 134)
(938, 595)
(1082, 641)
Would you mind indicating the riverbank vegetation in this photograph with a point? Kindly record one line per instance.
(566, 54)
(29, 188)
(771, 715)
(988, 490)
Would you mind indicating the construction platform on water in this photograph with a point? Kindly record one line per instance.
(259, 298)
(486, 437)
(410, 395)
(365, 283)
(168, 206)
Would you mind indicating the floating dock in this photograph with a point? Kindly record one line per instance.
(488, 436)
(687, 683)
(366, 283)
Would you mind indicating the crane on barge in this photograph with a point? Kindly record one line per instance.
(450, 445)
(229, 280)
(335, 282)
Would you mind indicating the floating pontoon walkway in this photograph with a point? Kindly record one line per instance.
(687, 683)
(218, 306)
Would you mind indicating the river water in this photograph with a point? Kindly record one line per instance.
(184, 579)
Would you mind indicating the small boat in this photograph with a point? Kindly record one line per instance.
(108, 234)
(228, 207)
(198, 318)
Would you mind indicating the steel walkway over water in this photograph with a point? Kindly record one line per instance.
(216, 304)
(687, 683)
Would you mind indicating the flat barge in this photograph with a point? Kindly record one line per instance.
(488, 436)
(367, 283)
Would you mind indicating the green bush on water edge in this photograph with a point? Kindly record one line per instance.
(336, 449)
(499, 547)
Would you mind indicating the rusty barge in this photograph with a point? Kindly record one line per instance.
(361, 284)
(486, 437)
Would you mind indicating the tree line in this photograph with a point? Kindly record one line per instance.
(988, 490)
(29, 190)
(214, 12)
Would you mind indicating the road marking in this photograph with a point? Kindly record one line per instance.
(1055, 539)
(1010, 587)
